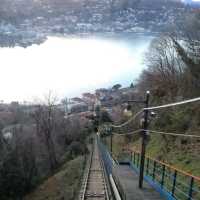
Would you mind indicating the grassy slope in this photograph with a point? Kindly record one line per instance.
(64, 185)
(186, 158)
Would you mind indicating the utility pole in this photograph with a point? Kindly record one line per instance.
(144, 140)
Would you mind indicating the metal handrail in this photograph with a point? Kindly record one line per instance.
(197, 178)
(109, 163)
(104, 176)
(191, 188)
(88, 173)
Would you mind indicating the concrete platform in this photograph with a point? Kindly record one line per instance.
(127, 179)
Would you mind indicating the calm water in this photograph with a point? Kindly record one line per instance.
(70, 66)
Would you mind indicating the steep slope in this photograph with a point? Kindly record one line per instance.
(64, 185)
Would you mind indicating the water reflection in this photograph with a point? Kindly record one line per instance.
(70, 66)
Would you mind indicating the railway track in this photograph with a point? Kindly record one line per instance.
(94, 185)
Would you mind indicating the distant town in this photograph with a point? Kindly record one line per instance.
(82, 106)
(44, 18)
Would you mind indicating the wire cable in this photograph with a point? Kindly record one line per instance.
(173, 104)
(130, 133)
(174, 134)
(127, 122)
(154, 108)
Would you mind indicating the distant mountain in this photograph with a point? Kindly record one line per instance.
(43, 17)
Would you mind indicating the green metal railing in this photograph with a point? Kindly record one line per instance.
(179, 184)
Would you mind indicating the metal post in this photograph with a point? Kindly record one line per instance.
(111, 144)
(134, 158)
(154, 170)
(147, 169)
(163, 176)
(138, 159)
(174, 183)
(191, 188)
(144, 140)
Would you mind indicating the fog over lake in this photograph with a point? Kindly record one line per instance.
(70, 66)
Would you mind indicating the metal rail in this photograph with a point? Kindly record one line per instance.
(85, 181)
(94, 185)
(178, 183)
(104, 176)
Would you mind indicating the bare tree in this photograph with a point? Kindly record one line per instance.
(44, 117)
(187, 45)
(65, 102)
(164, 68)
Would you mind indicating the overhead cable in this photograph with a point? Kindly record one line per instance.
(173, 104)
(127, 122)
(129, 133)
(174, 134)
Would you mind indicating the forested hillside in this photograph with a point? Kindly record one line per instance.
(38, 19)
(172, 75)
(36, 142)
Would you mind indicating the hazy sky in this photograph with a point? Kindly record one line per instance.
(68, 67)
(189, 0)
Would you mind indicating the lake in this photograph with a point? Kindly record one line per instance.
(71, 65)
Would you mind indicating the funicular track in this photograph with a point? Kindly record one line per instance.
(94, 184)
